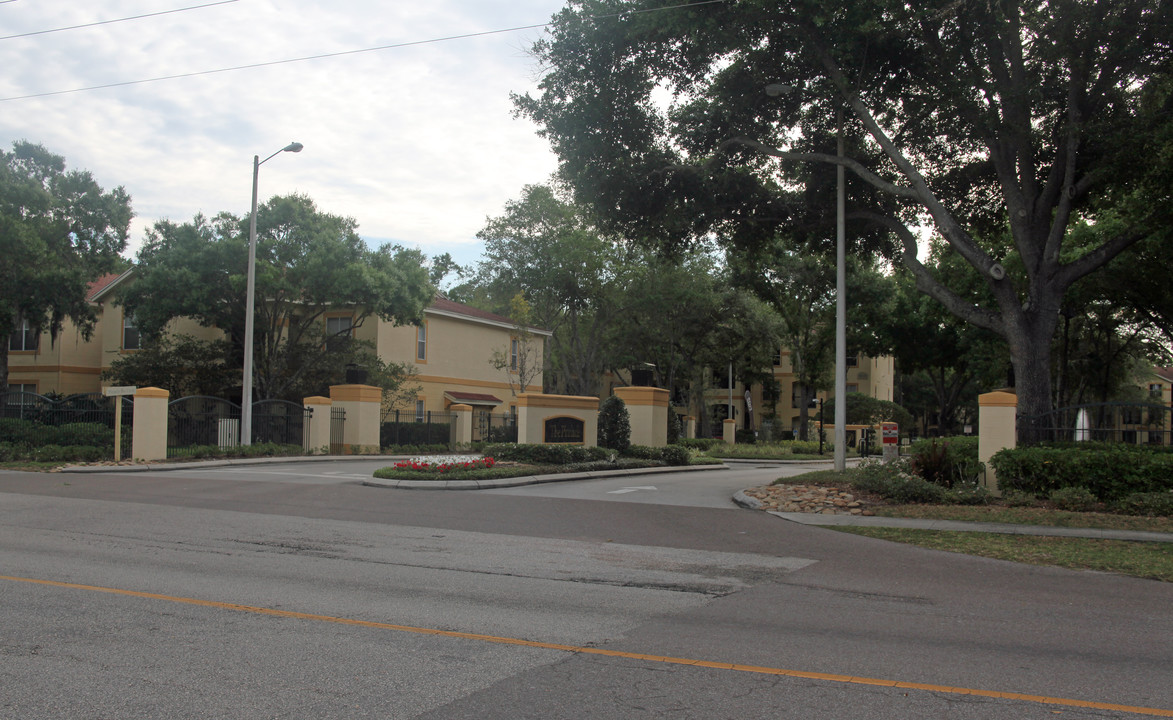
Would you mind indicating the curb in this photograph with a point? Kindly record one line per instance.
(532, 479)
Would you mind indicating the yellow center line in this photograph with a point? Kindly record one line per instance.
(827, 677)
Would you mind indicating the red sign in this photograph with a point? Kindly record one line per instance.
(890, 432)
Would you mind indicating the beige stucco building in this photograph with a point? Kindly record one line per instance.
(452, 352)
(875, 377)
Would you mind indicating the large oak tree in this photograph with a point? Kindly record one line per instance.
(59, 231)
(995, 123)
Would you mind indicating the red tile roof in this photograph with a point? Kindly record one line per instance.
(101, 283)
(443, 304)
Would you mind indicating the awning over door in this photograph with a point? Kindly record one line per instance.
(482, 400)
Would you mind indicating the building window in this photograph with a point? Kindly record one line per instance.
(419, 411)
(23, 337)
(338, 330)
(852, 387)
(795, 395)
(421, 342)
(131, 340)
(1155, 391)
(778, 358)
(852, 361)
(513, 348)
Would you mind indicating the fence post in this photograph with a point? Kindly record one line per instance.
(729, 432)
(148, 439)
(461, 435)
(997, 429)
(318, 434)
(361, 403)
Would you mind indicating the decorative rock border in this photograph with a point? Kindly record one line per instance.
(807, 499)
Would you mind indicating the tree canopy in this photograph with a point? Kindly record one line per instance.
(309, 263)
(995, 124)
(59, 231)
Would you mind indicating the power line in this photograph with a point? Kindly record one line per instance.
(342, 53)
(107, 22)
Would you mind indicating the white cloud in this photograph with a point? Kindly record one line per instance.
(417, 143)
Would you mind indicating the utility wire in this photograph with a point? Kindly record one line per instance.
(342, 53)
(107, 22)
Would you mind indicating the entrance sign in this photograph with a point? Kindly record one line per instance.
(565, 430)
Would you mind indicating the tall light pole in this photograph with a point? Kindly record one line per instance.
(775, 90)
(246, 386)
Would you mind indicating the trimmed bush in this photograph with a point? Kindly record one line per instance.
(895, 482)
(1075, 499)
(614, 424)
(701, 444)
(545, 454)
(1153, 504)
(1109, 472)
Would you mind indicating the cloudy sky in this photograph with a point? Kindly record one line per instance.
(417, 143)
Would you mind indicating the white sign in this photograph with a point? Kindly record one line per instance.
(119, 390)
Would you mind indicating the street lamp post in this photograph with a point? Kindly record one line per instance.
(246, 392)
(775, 90)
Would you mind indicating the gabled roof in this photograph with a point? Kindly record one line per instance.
(450, 308)
(1165, 373)
(471, 398)
(101, 288)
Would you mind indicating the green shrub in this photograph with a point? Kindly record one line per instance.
(1109, 472)
(702, 444)
(745, 437)
(20, 432)
(1153, 504)
(968, 494)
(947, 461)
(669, 454)
(674, 427)
(895, 482)
(1017, 498)
(94, 434)
(614, 424)
(1075, 499)
(545, 454)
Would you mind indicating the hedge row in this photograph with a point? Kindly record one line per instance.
(1110, 472)
(569, 454)
(15, 431)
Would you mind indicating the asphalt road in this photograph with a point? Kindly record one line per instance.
(292, 591)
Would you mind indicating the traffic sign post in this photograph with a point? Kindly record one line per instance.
(118, 392)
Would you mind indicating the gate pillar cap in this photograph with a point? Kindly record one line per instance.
(151, 392)
(998, 398)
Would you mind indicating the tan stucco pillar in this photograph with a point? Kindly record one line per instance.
(317, 435)
(461, 426)
(730, 431)
(690, 427)
(361, 403)
(997, 429)
(148, 440)
(647, 409)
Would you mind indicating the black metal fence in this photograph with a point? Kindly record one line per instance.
(281, 422)
(337, 429)
(200, 420)
(494, 428)
(1131, 423)
(409, 428)
(32, 420)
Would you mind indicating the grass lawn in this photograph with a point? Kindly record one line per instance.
(1138, 559)
(1153, 561)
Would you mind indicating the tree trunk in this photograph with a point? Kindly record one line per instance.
(1030, 354)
